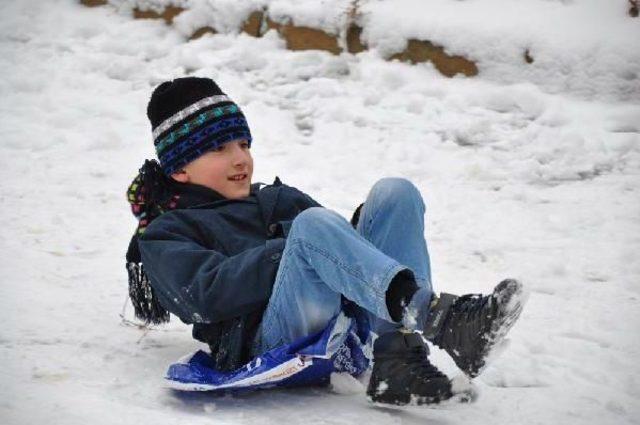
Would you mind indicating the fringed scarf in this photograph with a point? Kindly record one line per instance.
(151, 194)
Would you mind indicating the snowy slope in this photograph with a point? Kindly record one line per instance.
(519, 181)
(588, 47)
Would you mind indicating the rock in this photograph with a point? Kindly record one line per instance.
(418, 51)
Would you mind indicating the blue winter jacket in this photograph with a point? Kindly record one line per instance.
(214, 265)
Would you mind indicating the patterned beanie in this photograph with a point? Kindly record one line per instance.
(191, 116)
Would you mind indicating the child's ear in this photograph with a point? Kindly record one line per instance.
(180, 176)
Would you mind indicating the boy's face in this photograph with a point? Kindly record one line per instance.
(227, 170)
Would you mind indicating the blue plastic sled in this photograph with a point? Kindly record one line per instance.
(340, 347)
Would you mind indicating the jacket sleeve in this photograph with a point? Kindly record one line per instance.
(202, 285)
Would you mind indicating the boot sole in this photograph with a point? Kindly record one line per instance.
(399, 401)
(392, 399)
(513, 298)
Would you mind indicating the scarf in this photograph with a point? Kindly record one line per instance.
(151, 194)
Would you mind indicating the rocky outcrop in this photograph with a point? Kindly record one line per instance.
(93, 3)
(418, 51)
(306, 38)
(167, 14)
(299, 37)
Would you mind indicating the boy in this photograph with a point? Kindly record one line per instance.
(253, 268)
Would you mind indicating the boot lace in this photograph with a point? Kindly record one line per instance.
(472, 304)
(470, 314)
(420, 365)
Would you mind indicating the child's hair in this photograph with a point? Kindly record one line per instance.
(190, 116)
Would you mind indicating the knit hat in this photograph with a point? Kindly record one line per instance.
(190, 116)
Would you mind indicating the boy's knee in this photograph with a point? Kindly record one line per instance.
(395, 188)
(314, 218)
(311, 215)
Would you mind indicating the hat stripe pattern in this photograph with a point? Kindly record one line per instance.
(197, 150)
(219, 129)
(189, 110)
(189, 126)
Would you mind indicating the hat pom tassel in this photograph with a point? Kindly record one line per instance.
(145, 302)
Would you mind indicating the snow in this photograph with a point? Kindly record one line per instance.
(225, 16)
(345, 384)
(330, 15)
(586, 47)
(531, 174)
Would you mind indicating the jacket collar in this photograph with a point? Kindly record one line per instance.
(205, 197)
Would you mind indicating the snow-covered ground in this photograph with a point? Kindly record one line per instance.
(520, 179)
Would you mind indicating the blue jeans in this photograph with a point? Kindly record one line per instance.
(325, 258)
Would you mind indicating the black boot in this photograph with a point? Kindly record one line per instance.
(470, 326)
(403, 374)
